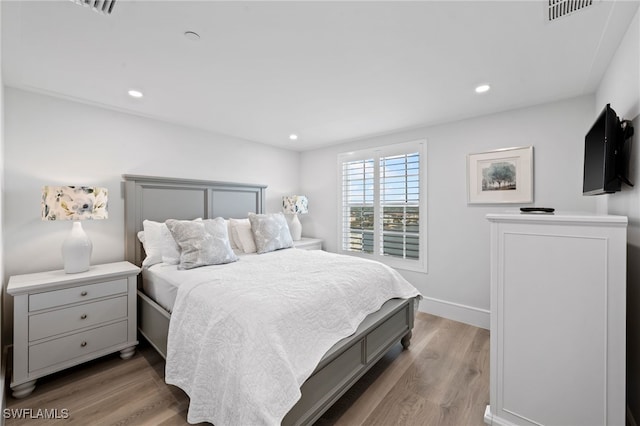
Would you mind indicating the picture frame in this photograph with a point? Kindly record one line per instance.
(501, 176)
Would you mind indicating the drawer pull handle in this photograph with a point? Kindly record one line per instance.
(84, 293)
(83, 316)
(83, 344)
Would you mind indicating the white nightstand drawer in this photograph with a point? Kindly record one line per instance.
(67, 296)
(56, 351)
(76, 317)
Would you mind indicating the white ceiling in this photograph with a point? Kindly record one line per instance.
(327, 71)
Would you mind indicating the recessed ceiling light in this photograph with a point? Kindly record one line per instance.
(135, 93)
(293, 137)
(192, 35)
(483, 88)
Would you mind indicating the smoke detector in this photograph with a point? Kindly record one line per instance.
(559, 8)
(101, 6)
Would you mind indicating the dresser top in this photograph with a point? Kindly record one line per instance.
(559, 217)
(19, 284)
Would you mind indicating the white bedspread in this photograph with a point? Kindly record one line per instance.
(244, 336)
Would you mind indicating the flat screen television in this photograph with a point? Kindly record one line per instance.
(605, 159)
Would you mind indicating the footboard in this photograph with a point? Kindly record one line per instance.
(351, 358)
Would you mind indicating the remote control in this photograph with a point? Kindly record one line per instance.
(537, 209)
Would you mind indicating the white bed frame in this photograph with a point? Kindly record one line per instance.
(159, 198)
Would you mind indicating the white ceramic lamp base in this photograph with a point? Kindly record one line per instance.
(76, 250)
(295, 228)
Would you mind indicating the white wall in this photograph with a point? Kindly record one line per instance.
(621, 87)
(457, 284)
(53, 141)
(58, 142)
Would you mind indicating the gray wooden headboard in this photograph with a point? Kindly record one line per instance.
(161, 198)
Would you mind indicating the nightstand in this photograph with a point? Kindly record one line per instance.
(61, 320)
(306, 243)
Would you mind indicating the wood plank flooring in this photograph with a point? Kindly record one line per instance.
(443, 379)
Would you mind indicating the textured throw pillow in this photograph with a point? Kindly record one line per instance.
(270, 232)
(242, 235)
(201, 243)
(159, 245)
(171, 249)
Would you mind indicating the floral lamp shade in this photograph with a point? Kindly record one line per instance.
(75, 203)
(295, 204)
(292, 204)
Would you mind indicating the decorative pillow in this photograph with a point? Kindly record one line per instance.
(270, 232)
(171, 249)
(201, 243)
(159, 245)
(242, 235)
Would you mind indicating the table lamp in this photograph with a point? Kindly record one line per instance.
(295, 204)
(75, 203)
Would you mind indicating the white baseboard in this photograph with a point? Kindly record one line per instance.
(631, 421)
(497, 421)
(456, 311)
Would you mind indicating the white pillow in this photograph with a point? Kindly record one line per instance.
(233, 244)
(153, 242)
(242, 235)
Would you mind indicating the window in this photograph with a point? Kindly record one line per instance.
(382, 204)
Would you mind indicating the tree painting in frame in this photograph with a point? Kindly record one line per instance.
(500, 176)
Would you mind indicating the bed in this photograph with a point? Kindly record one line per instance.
(158, 199)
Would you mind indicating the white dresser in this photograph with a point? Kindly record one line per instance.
(558, 303)
(61, 320)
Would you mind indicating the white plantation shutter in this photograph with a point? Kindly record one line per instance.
(358, 205)
(400, 205)
(382, 199)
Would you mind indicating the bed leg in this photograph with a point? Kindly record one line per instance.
(406, 340)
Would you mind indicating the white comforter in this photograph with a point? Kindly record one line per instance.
(244, 336)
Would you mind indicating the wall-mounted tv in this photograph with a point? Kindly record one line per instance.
(605, 154)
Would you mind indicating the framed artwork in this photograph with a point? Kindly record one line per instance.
(500, 176)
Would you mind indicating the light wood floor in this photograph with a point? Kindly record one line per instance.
(443, 379)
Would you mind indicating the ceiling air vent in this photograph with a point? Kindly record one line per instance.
(560, 8)
(101, 6)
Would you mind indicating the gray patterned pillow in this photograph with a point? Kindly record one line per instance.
(270, 232)
(202, 243)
